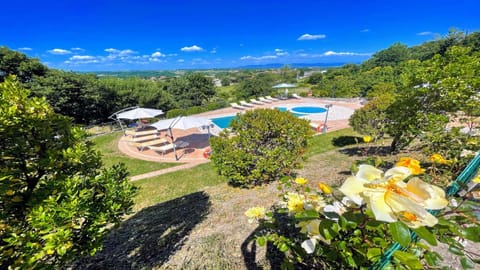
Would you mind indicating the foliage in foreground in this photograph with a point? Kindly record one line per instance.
(378, 212)
(56, 202)
(267, 145)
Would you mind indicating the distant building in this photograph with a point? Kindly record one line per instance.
(217, 82)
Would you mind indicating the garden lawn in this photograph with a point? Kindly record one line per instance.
(176, 184)
(107, 145)
(326, 142)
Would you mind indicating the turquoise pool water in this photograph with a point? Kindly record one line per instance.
(308, 109)
(223, 122)
(297, 114)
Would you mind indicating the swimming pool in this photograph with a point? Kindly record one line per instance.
(284, 109)
(223, 122)
(308, 110)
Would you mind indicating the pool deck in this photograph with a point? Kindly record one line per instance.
(197, 139)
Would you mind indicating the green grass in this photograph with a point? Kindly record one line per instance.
(107, 146)
(172, 185)
(324, 142)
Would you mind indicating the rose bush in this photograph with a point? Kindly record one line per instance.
(372, 214)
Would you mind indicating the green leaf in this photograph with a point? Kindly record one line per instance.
(400, 233)
(467, 263)
(328, 229)
(283, 247)
(261, 241)
(432, 258)
(426, 235)
(455, 250)
(373, 253)
(472, 233)
(408, 259)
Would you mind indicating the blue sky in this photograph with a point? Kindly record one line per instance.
(181, 34)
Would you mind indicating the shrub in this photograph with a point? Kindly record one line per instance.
(56, 202)
(176, 112)
(195, 110)
(372, 118)
(262, 146)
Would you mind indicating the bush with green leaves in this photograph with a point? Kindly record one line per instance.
(56, 200)
(376, 220)
(261, 146)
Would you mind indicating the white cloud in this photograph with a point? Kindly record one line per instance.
(365, 30)
(59, 51)
(116, 52)
(311, 37)
(180, 60)
(425, 33)
(154, 59)
(158, 54)
(111, 50)
(82, 57)
(24, 49)
(278, 50)
(265, 57)
(214, 50)
(193, 48)
(77, 49)
(332, 53)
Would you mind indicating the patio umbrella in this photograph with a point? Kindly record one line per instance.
(139, 113)
(133, 113)
(286, 86)
(181, 122)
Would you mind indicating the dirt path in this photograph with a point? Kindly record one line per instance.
(168, 170)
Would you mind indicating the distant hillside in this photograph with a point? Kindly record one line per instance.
(293, 65)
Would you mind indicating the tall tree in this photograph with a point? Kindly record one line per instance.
(391, 56)
(18, 64)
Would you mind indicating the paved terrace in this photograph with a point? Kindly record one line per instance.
(198, 139)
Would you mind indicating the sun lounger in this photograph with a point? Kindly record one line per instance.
(143, 145)
(272, 98)
(254, 101)
(296, 96)
(162, 149)
(167, 147)
(134, 133)
(262, 99)
(246, 104)
(236, 106)
(144, 138)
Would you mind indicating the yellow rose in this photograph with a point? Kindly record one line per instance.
(437, 158)
(476, 179)
(255, 213)
(295, 203)
(367, 139)
(9, 192)
(301, 181)
(412, 164)
(324, 188)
